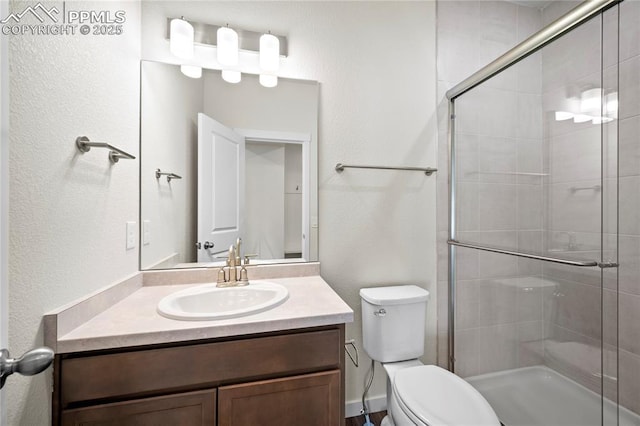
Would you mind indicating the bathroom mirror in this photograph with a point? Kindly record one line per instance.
(222, 161)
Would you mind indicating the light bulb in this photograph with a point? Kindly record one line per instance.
(582, 118)
(269, 53)
(191, 71)
(563, 115)
(231, 76)
(590, 101)
(268, 80)
(227, 46)
(181, 39)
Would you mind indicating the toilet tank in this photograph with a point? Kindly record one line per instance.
(393, 322)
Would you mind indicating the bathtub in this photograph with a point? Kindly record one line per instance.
(539, 396)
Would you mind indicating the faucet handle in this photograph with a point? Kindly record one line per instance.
(247, 257)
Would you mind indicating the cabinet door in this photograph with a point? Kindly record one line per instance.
(188, 409)
(311, 399)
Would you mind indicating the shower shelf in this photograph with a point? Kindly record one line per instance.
(583, 263)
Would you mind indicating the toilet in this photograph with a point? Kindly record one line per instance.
(393, 325)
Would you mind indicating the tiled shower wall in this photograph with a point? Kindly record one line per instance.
(629, 198)
(499, 207)
(560, 305)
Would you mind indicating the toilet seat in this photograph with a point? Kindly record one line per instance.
(432, 396)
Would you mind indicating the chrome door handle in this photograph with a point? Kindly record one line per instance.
(33, 362)
(208, 245)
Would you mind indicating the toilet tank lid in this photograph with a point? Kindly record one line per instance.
(394, 295)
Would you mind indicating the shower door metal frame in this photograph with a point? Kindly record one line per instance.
(556, 29)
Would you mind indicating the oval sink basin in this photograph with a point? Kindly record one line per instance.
(208, 302)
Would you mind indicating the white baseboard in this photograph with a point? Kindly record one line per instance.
(375, 404)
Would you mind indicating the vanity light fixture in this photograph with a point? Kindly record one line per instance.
(589, 106)
(227, 42)
(181, 38)
(269, 60)
(591, 101)
(191, 71)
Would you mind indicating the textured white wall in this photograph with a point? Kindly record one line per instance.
(375, 62)
(67, 210)
(4, 197)
(264, 218)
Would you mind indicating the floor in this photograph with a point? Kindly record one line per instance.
(375, 418)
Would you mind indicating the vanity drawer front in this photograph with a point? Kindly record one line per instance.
(156, 371)
(193, 408)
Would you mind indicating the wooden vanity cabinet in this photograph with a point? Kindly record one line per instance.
(279, 379)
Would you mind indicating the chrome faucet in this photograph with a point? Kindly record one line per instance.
(235, 272)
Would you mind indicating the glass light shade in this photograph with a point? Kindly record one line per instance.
(611, 104)
(191, 71)
(231, 76)
(591, 100)
(181, 39)
(581, 118)
(227, 46)
(269, 53)
(601, 120)
(563, 115)
(268, 80)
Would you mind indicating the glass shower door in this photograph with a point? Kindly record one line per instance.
(536, 174)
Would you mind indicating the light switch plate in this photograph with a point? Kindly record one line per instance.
(146, 232)
(131, 235)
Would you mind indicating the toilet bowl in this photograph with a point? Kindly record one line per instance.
(393, 323)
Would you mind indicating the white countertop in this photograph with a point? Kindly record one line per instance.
(134, 321)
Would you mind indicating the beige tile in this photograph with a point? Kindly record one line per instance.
(497, 159)
(467, 304)
(573, 56)
(629, 381)
(574, 211)
(497, 348)
(629, 90)
(530, 344)
(493, 264)
(629, 146)
(496, 207)
(575, 307)
(530, 74)
(630, 29)
(529, 160)
(466, 261)
(530, 207)
(629, 270)
(629, 208)
(530, 241)
(466, 352)
(530, 119)
(443, 324)
(529, 21)
(576, 156)
(629, 325)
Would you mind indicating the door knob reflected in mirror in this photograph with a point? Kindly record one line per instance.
(29, 364)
